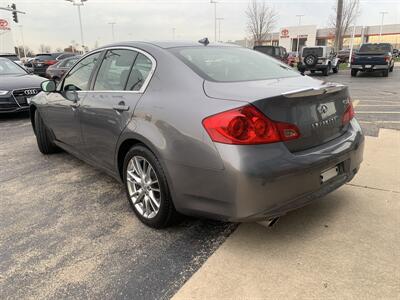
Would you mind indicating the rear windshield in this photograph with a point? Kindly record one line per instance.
(225, 64)
(265, 50)
(43, 57)
(317, 51)
(375, 48)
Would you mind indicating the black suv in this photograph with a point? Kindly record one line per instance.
(373, 57)
(41, 62)
(277, 52)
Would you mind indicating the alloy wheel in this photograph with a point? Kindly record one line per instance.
(143, 187)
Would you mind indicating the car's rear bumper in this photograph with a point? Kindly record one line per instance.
(367, 67)
(264, 181)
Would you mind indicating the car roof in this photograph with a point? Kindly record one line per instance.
(169, 44)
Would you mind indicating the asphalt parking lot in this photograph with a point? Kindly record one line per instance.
(66, 229)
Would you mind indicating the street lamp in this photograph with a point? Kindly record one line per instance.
(219, 28)
(78, 4)
(112, 30)
(383, 13)
(298, 35)
(215, 18)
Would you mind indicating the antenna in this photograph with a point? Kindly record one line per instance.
(204, 41)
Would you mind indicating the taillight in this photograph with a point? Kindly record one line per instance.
(353, 59)
(348, 114)
(387, 58)
(246, 126)
(50, 62)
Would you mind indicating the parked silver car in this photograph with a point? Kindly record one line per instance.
(216, 131)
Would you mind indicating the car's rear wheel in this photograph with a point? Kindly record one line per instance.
(147, 188)
(354, 72)
(326, 71)
(335, 69)
(43, 136)
(385, 73)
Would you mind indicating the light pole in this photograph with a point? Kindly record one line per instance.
(112, 30)
(215, 18)
(298, 35)
(383, 13)
(219, 28)
(22, 38)
(78, 4)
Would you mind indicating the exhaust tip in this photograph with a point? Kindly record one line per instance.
(269, 223)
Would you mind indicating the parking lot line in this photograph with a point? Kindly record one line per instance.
(355, 103)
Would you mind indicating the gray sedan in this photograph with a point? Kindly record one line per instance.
(206, 130)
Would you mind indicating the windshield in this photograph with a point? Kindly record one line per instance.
(225, 64)
(375, 48)
(7, 67)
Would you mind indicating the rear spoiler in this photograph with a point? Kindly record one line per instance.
(327, 88)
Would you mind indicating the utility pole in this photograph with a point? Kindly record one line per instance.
(298, 36)
(383, 13)
(215, 18)
(339, 16)
(219, 28)
(22, 38)
(112, 30)
(78, 4)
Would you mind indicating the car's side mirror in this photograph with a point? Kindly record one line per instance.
(71, 95)
(48, 86)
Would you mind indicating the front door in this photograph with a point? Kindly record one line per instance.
(62, 113)
(108, 107)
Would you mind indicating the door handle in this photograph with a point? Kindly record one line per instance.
(121, 107)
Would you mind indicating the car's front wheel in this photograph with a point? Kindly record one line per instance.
(43, 136)
(147, 188)
(386, 73)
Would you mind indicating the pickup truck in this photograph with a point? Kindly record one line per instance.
(373, 57)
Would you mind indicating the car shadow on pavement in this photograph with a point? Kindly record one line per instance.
(7, 117)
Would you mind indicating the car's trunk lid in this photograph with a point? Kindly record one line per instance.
(315, 107)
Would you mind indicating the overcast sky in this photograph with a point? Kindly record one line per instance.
(55, 22)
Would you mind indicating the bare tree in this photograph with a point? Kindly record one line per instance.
(261, 20)
(44, 48)
(349, 14)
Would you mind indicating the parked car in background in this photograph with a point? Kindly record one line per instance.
(344, 55)
(292, 59)
(17, 87)
(41, 62)
(396, 53)
(277, 52)
(57, 71)
(318, 58)
(373, 57)
(218, 131)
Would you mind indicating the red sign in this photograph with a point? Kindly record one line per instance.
(284, 33)
(3, 23)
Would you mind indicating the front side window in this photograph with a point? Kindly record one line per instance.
(115, 69)
(140, 71)
(78, 78)
(226, 64)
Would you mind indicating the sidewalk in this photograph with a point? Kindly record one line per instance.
(344, 246)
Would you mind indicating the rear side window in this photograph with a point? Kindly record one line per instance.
(265, 50)
(115, 69)
(140, 71)
(375, 48)
(226, 64)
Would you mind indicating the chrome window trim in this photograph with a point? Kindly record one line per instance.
(146, 82)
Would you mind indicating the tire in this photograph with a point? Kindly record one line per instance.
(325, 72)
(335, 69)
(354, 72)
(385, 73)
(166, 214)
(310, 60)
(43, 136)
(391, 68)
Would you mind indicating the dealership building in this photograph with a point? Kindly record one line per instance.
(310, 35)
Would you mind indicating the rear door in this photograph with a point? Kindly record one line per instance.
(119, 84)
